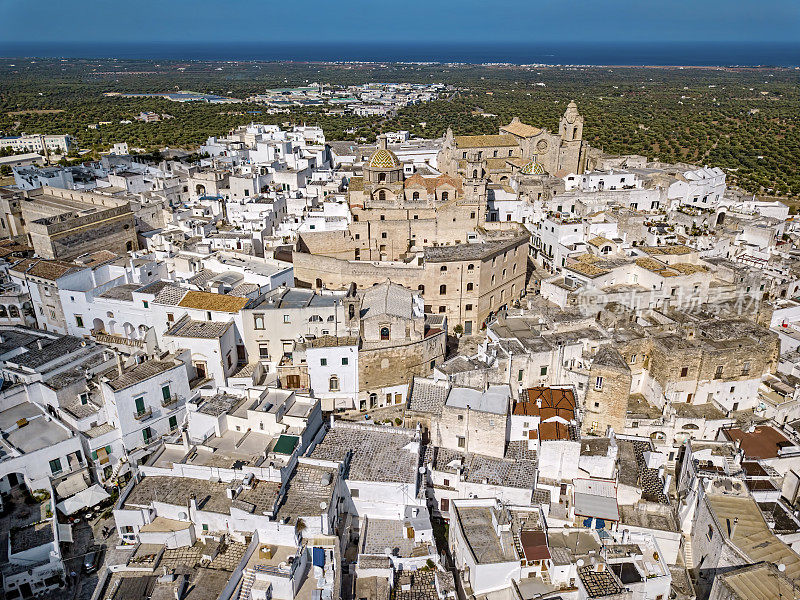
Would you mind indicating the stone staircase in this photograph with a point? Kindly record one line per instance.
(247, 584)
(688, 557)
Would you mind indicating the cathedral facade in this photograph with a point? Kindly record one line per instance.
(518, 147)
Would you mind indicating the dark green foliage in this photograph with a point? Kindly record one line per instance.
(744, 120)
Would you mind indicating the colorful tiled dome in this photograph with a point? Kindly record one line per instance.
(384, 159)
(533, 168)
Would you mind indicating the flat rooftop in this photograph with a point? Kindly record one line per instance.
(39, 431)
(477, 523)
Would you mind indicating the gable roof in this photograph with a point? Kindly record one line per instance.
(484, 141)
(431, 183)
(520, 129)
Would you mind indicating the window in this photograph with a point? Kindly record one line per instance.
(258, 321)
(384, 333)
(468, 307)
(345, 361)
(333, 383)
(55, 466)
(78, 320)
(718, 374)
(684, 371)
(443, 269)
(746, 368)
(173, 422)
(263, 351)
(633, 359)
(470, 287)
(287, 319)
(383, 235)
(415, 196)
(146, 304)
(442, 290)
(445, 196)
(710, 534)
(421, 289)
(462, 442)
(139, 402)
(166, 394)
(382, 198)
(353, 493)
(598, 383)
(170, 318)
(323, 362)
(543, 371)
(147, 435)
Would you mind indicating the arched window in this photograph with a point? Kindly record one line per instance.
(3, 312)
(351, 311)
(333, 384)
(421, 289)
(318, 282)
(445, 196)
(470, 267)
(475, 174)
(373, 398)
(469, 287)
(315, 319)
(415, 196)
(382, 196)
(13, 311)
(384, 333)
(443, 268)
(381, 177)
(442, 289)
(129, 246)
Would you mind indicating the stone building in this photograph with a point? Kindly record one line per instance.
(516, 146)
(63, 224)
(607, 394)
(465, 283)
(398, 341)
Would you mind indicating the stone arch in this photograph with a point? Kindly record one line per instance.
(200, 189)
(98, 325)
(3, 312)
(129, 330)
(13, 311)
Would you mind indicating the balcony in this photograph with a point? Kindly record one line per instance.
(141, 415)
(173, 399)
(112, 338)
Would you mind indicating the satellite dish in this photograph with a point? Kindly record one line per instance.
(781, 567)
(183, 516)
(422, 470)
(387, 551)
(323, 505)
(580, 562)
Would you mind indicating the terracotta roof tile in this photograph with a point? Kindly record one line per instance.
(210, 301)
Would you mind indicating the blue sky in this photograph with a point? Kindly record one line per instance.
(482, 21)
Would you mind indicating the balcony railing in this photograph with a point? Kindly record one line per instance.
(173, 399)
(112, 338)
(141, 415)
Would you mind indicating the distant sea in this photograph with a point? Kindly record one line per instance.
(708, 54)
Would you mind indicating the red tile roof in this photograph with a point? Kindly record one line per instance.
(534, 545)
(763, 442)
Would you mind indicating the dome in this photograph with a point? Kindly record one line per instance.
(384, 159)
(533, 168)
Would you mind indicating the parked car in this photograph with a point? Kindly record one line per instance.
(91, 561)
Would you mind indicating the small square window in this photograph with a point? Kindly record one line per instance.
(323, 362)
(345, 361)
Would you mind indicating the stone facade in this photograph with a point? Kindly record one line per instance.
(516, 146)
(465, 283)
(63, 224)
(607, 395)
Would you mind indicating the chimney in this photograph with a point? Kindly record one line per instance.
(119, 364)
(383, 143)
